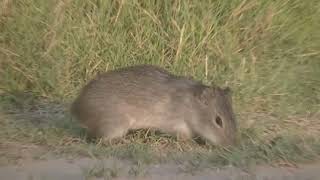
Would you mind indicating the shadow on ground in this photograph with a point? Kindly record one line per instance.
(24, 109)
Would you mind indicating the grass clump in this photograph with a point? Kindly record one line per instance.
(267, 51)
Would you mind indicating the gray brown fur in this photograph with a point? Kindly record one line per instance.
(147, 96)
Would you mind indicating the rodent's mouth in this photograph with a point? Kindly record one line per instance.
(230, 142)
(227, 141)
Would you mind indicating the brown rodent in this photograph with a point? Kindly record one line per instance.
(146, 96)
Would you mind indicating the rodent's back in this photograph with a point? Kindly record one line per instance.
(138, 82)
(141, 85)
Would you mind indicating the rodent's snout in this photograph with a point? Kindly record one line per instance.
(227, 143)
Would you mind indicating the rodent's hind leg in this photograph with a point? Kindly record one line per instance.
(113, 134)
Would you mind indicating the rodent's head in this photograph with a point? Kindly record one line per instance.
(217, 123)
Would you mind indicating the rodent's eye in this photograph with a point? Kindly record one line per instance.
(219, 121)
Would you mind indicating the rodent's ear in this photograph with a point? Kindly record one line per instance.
(228, 93)
(227, 90)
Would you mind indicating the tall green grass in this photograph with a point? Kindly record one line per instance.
(267, 51)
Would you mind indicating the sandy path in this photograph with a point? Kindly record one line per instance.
(115, 169)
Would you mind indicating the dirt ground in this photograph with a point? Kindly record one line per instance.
(86, 168)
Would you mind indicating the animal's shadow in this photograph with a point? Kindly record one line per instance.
(24, 109)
